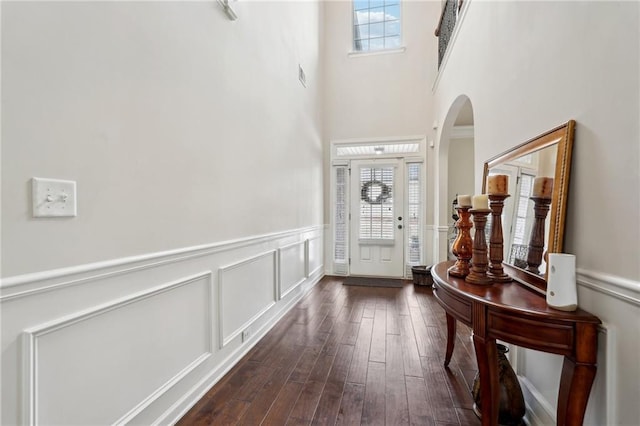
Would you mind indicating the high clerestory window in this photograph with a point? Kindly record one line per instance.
(376, 25)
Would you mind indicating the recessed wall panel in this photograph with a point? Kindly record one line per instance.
(292, 267)
(315, 255)
(247, 290)
(100, 365)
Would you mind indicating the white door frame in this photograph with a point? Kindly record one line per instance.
(340, 266)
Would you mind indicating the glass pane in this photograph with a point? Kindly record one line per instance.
(376, 30)
(414, 172)
(340, 246)
(376, 3)
(391, 2)
(361, 45)
(376, 44)
(392, 12)
(361, 31)
(392, 28)
(376, 15)
(413, 216)
(392, 42)
(376, 203)
(361, 17)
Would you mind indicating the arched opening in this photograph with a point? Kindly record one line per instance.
(456, 168)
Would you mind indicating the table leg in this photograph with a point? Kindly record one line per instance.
(575, 386)
(451, 339)
(487, 357)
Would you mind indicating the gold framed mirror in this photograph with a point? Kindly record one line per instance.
(539, 166)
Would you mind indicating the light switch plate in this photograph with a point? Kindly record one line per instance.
(53, 197)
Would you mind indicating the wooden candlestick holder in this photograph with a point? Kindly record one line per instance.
(496, 247)
(462, 246)
(479, 260)
(536, 243)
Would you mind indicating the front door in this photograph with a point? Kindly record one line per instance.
(377, 234)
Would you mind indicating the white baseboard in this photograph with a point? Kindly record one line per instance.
(539, 411)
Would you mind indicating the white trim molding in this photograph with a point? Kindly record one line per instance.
(621, 288)
(354, 54)
(462, 132)
(539, 411)
(39, 282)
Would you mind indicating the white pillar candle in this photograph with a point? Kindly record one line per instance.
(480, 202)
(543, 187)
(464, 200)
(498, 185)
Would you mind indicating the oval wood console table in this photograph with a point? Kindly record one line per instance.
(513, 313)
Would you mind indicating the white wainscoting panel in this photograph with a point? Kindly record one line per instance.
(293, 267)
(116, 353)
(138, 340)
(314, 255)
(247, 290)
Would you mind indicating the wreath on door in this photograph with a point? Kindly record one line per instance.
(367, 192)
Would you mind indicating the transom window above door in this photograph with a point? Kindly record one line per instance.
(370, 150)
(376, 25)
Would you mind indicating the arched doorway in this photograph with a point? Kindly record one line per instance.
(456, 169)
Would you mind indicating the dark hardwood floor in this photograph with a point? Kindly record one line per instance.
(349, 355)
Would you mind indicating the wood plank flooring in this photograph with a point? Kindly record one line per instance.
(349, 355)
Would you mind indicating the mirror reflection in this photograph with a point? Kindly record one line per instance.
(518, 213)
(538, 172)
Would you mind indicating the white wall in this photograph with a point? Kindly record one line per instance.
(179, 126)
(460, 171)
(378, 94)
(198, 156)
(528, 67)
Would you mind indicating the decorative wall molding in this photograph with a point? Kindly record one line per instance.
(30, 284)
(162, 390)
(191, 397)
(319, 255)
(246, 275)
(436, 228)
(285, 288)
(32, 336)
(620, 288)
(462, 132)
(86, 295)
